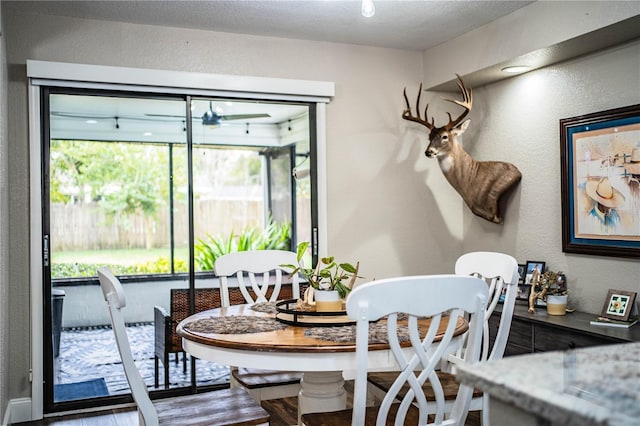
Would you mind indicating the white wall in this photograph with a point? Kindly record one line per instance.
(380, 211)
(517, 120)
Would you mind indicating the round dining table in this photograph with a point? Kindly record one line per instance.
(322, 360)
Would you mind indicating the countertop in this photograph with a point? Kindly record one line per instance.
(591, 386)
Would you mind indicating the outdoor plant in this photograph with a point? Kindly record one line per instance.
(161, 265)
(275, 236)
(328, 274)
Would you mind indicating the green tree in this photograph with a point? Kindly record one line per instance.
(122, 178)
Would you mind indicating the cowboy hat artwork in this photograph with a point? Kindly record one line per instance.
(633, 166)
(605, 194)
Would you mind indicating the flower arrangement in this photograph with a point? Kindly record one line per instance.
(328, 274)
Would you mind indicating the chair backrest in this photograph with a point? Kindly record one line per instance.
(205, 298)
(441, 297)
(248, 266)
(114, 296)
(500, 271)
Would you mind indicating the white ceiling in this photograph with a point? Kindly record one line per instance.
(402, 24)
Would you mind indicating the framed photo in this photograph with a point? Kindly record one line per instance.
(533, 269)
(521, 269)
(600, 186)
(618, 305)
(524, 291)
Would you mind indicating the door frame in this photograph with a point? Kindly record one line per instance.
(56, 74)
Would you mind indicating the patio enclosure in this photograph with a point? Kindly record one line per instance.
(156, 187)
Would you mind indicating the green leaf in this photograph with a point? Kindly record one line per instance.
(327, 260)
(342, 289)
(302, 248)
(348, 267)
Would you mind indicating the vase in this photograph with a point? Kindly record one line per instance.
(327, 300)
(557, 304)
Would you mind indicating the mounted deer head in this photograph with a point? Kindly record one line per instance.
(480, 183)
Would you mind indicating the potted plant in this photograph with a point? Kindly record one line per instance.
(552, 288)
(330, 280)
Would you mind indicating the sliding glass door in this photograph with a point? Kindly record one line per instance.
(155, 188)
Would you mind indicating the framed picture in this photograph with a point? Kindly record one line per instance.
(521, 269)
(600, 186)
(618, 305)
(524, 290)
(533, 269)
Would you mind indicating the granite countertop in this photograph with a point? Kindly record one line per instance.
(591, 386)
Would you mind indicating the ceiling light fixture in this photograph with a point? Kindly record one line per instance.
(514, 69)
(368, 9)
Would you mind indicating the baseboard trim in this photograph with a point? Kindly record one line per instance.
(18, 410)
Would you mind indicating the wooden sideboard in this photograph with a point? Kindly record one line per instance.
(539, 332)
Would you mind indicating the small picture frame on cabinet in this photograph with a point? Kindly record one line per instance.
(619, 305)
(524, 290)
(521, 274)
(533, 270)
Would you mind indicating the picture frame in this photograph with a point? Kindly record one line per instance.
(524, 291)
(531, 266)
(600, 182)
(619, 304)
(521, 269)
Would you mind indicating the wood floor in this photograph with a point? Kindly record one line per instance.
(284, 412)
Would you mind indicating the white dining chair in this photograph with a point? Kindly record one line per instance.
(221, 407)
(500, 271)
(435, 296)
(259, 276)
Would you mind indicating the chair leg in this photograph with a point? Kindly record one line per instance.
(155, 371)
(166, 371)
(485, 410)
(233, 383)
(184, 362)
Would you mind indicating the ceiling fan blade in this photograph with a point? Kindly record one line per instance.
(242, 116)
(166, 115)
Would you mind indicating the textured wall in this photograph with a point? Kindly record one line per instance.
(4, 225)
(517, 120)
(380, 211)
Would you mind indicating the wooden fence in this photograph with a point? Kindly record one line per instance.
(86, 227)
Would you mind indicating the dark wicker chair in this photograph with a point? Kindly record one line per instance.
(167, 340)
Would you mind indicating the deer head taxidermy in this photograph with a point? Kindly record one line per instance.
(480, 183)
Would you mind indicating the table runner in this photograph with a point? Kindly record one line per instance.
(347, 333)
(234, 325)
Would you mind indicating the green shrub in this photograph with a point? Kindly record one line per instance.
(161, 265)
(75, 270)
(275, 236)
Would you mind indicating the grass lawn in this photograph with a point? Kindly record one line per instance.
(117, 257)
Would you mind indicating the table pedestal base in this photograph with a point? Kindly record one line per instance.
(321, 392)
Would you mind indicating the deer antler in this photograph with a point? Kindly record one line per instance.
(466, 103)
(406, 114)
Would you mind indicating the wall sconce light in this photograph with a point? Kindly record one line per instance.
(368, 9)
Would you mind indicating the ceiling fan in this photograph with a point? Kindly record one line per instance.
(212, 118)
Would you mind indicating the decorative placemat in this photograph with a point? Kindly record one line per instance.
(264, 307)
(347, 334)
(234, 325)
